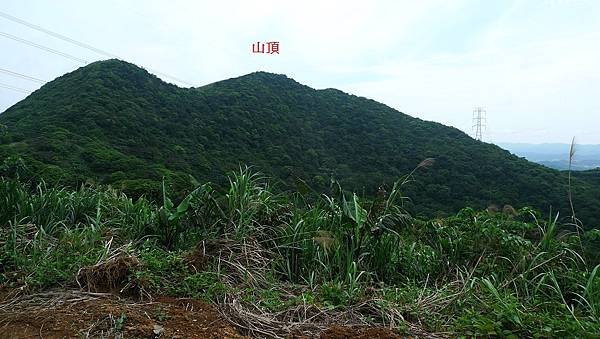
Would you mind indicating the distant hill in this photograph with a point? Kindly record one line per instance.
(116, 124)
(557, 155)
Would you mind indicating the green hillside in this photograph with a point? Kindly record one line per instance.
(115, 123)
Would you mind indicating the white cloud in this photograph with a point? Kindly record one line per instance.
(532, 64)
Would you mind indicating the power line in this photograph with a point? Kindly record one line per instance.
(83, 45)
(13, 88)
(56, 35)
(22, 76)
(47, 49)
(170, 77)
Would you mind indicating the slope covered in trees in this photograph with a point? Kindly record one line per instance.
(116, 124)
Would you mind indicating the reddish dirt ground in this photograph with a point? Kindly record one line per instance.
(103, 317)
(340, 332)
(80, 315)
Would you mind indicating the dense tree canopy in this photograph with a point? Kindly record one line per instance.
(115, 123)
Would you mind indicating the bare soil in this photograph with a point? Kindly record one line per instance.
(113, 318)
(76, 314)
(342, 332)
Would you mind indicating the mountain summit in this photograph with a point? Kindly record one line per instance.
(117, 124)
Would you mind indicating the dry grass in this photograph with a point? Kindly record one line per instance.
(245, 262)
(310, 320)
(111, 275)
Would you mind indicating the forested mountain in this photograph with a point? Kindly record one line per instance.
(116, 124)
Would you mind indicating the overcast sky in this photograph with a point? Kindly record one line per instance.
(532, 64)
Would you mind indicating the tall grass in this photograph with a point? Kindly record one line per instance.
(487, 273)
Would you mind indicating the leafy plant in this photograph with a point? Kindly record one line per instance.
(170, 225)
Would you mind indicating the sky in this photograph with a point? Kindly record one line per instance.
(533, 65)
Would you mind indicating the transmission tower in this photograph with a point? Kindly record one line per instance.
(479, 122)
